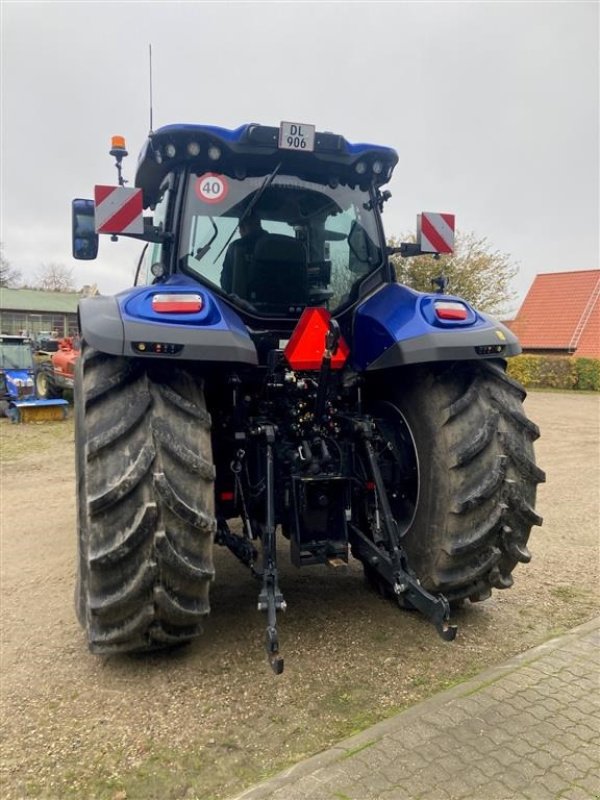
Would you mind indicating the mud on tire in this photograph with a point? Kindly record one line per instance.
(477, 476)
(145, 503)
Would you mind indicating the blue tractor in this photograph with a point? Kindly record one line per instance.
(267, 368)
(18, 382)
(16, 372)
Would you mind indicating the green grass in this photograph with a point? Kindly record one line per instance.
(19, 440)
(553, 390)
(567, 593)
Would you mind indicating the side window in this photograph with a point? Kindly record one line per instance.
(151, 254)
(154, 253)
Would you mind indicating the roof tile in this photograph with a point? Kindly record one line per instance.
(553, 308)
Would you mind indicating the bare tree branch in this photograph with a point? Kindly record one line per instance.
(54, 278)
(9, 276)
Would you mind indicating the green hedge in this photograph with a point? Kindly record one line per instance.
(556, 372)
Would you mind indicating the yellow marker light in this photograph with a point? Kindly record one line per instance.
(118, 143)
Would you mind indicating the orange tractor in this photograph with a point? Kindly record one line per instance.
(55, 371)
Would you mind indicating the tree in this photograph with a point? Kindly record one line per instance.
(54, 278)
(9, 276)
(475, 271)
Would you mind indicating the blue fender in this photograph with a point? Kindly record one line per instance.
(397, 325)
(126, 325)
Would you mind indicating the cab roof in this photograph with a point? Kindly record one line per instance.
(253, 149)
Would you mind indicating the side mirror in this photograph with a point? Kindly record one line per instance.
(83, 230)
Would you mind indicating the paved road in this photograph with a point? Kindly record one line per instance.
(528, 729)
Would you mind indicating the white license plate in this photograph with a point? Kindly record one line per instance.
(297, 136)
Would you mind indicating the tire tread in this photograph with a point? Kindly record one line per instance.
(145, 499)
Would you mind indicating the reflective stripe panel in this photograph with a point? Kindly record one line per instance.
(118, 210)
(177, 303)
(436, 232)
(447, 309)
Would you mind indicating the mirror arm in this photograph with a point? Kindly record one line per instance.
(152, 233)
(154, 236)
(406, 250)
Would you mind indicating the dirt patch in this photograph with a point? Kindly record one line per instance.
(209, 719)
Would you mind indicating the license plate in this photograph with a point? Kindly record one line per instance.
(297, 136)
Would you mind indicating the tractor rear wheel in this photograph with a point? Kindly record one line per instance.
(461, 475)
(145, 502)
(45, 387)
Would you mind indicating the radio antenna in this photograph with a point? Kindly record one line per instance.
(150, 54)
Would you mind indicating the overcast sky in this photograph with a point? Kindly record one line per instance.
(492, 107)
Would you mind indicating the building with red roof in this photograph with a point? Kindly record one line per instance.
(561, 315)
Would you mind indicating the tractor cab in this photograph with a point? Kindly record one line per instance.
(313, 200)
(310, 243)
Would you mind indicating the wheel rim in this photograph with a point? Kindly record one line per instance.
(41, 384)
(398, 463)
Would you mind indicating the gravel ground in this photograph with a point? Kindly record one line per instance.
(210, 719)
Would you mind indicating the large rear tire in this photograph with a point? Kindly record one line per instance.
(467, 498)
(145, 502)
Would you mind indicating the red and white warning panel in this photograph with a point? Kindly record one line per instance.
(435, 232)
(118, 210)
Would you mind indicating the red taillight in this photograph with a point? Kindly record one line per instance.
(177, 303)
(306, 346)
(448, 309)
(226, 496)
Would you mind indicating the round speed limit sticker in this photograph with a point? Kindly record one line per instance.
(212, 188)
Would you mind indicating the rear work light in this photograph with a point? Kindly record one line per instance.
(450, 310)
(177, 303)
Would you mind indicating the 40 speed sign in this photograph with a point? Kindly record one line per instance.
(212, 187)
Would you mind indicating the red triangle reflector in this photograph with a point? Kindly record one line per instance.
(306, 346)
